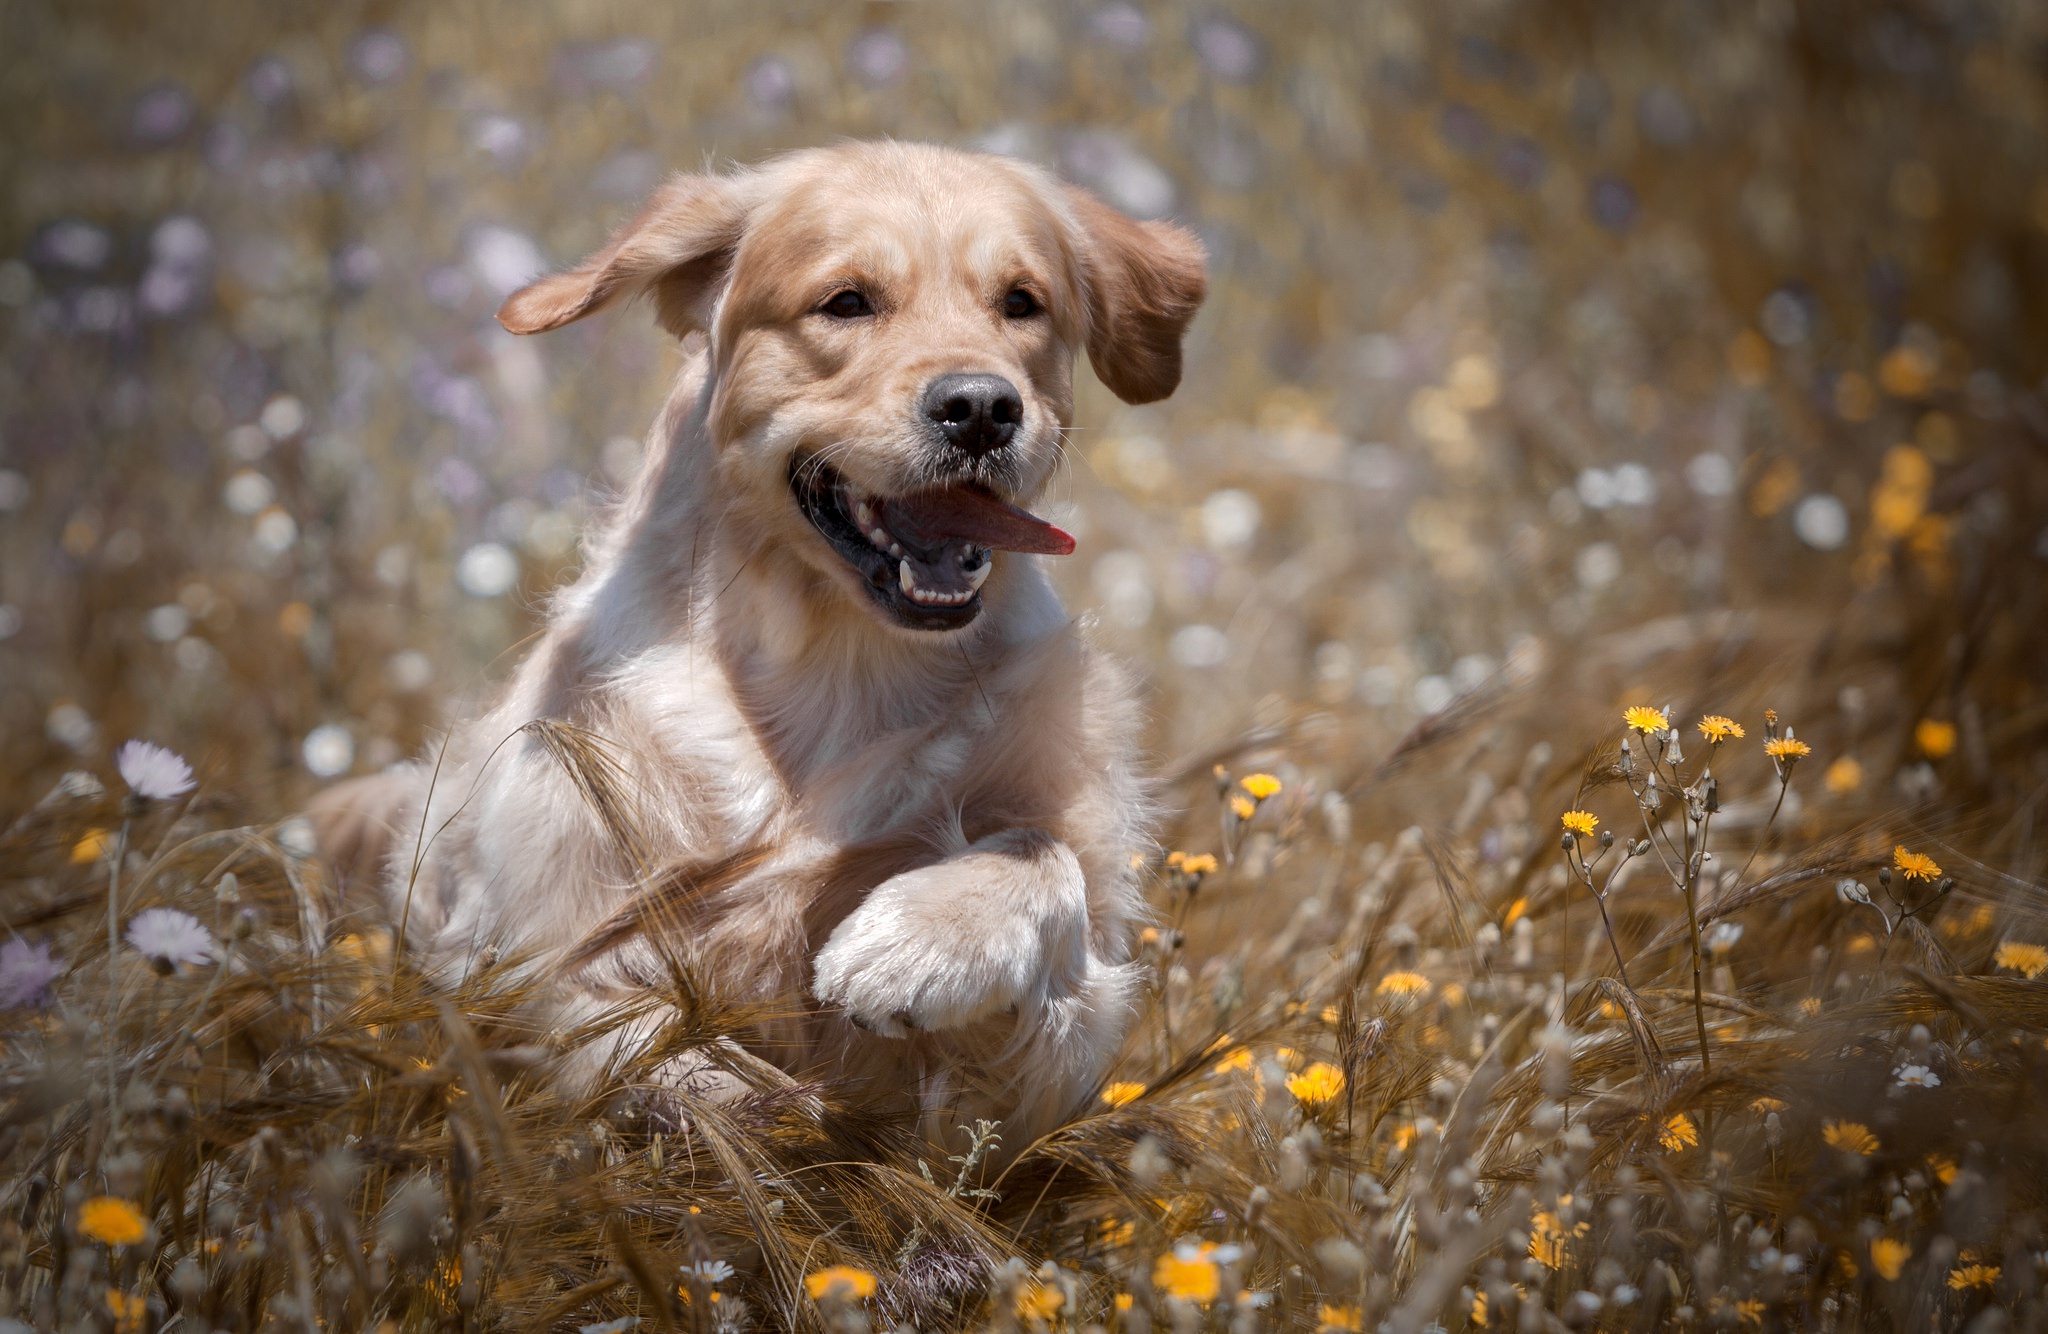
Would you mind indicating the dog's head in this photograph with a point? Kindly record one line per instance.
(892, 332)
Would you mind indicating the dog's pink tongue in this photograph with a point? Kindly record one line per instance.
(930, 519)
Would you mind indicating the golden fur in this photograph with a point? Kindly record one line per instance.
(925, 834)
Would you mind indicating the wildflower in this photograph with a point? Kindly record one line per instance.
(1787, 749)
(89, 848)
(111, 1221)
(1200, 864)
(619, 1326)
(1889, 1257)
(1241, 1059)
(1678, 1133)
(129, 1310)
(1479, 1308)
(1751, 1311)
(1973, 1276)
(1843, 776)
(1243, 807)
(1347, 1318)
(1916, 1076)
(1123, 1301)
(1117, 1094)
(2022, 957)
(26, 972)
(1915, 865)
(1646, 720)
(1717, 729)
(1721, 937)
(1189, 1273)
(1319, 1084)
(1850, 1137)
(1261, 786)
(1515, 911)
(1765, 1106)
(709, 1271)
(1582, 823)
(168, 938)
(151, 772)
(840, 1283)
(1809, 1007)
(1403, 983)
(1549, 1239)
(1039, 1303)
(1935, 739)
(1115, 1232)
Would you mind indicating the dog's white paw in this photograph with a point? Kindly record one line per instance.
(929, 950)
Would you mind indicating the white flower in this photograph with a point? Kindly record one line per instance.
(26, 972)
(1916, 1076)
(619, 1326)
(167, 938)
(1721, 936)
(709, 1271)
(151, 772)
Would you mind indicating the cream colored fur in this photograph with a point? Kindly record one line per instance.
(940, 824)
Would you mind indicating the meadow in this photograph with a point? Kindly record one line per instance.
(1591, 593)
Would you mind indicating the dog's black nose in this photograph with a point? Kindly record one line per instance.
(978, 412)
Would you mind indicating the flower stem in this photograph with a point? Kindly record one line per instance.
(114, 982)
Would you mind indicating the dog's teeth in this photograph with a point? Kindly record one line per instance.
(895, 548)
(903, 576)
(881, 539)
(864, 514)
(979, 575)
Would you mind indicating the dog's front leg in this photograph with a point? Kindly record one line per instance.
(1002, 924)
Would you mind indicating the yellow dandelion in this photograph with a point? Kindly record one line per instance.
(1192, 1280)
(1846, 1263)
(1751, 1311)
(1549, 1239)
(130, 1310)
(1403, 983)
(1582, 823)
(2022, 957)
(1786, 748)
(1678, 1133)
(111, 1221)
(1942, 1167)
(1973, 1276)
(1935, 738)
(1124, 1301)
(1850, 1137)
(90, 848)
(1121, 1092)
(1115, 1232)
(840, 1283)
(1889, 1257)
(1645, 719)
(1200, 864)
(1843, 776)
(1479, 1308)
(1243, 807)
(1039, 1303)
(1261, 786)
(1241, 1059)
(1347, 1318)
(1321, 1083)
(1717, 729)
(1915, 865)
(1765, 1106)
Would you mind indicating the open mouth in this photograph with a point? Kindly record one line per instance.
(922, 556)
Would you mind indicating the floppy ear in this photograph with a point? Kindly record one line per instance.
(679, 248)
(1144, 282)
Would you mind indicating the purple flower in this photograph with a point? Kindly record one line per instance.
(151, 772)
(26, 972)
(168, 938)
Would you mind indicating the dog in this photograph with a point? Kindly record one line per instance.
(812, 719)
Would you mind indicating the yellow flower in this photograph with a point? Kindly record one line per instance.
(1935, 739)
(840, 1283)
(1241, 1059)
(1115, 1232)
(1809, 1006)
(1973, 1276)
(1678, 1132)
(1192, 1280)
(1124, 1301)
(111, 1221)
(1261, 786)
(1844, 775)
(89, 848)
(1348, 1318)
(1582, 823)
(1403, 984)
(129, 1311)
(1717, 729)
(1549, 1239)
(1479, 1308)
(2022, 957)
(1765, 1106)
(1850, 1136)
(1942, 1166)
(1319, 1084)
(1117, 1094)
(1515, 911)
(1889, 1257)
(1915, 865)
(1039, 1302)
(1243, 807)
(1645, 719)
(1201, 863)
(1786, 748)
(1752, 1311)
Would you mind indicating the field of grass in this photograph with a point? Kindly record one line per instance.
(1592, 595)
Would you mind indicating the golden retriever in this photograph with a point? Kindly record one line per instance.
(812, 719)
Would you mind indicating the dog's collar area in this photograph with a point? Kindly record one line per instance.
(921, 578)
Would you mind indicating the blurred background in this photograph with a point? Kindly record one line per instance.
(1546, 341)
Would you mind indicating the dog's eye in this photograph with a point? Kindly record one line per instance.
(847, 305)
(1019, 304)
